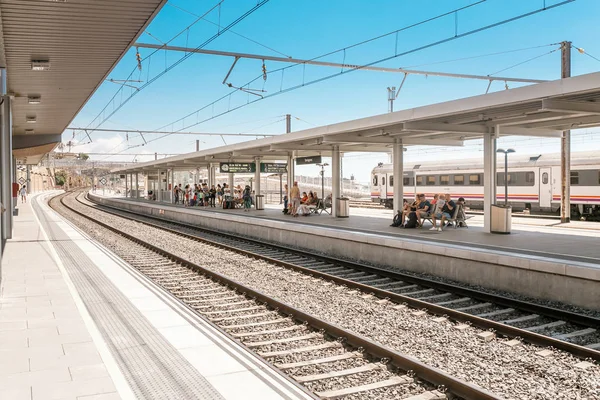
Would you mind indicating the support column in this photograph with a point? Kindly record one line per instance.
(335, 179)
(158, 188)
(28, 169)
(6, 165)
(230, 184)
(126, 184)
(565, 146)
(257, 176)
(137, 185)
(489, 177)
(398, 170)
(172, 185)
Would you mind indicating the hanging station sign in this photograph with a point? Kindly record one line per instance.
(273, 168)
(308, 160)
(230, 167)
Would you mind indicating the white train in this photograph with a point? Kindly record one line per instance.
(533, 182)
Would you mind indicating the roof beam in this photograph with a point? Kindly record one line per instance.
(437, 127)
(432, 142)
(568, 123)
(331, 64)
(173, 132)
(575, 107)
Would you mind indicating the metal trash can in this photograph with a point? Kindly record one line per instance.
(343, 207)
(259, 202)
(501, 219)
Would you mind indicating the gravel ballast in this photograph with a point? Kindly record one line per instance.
(511, 372)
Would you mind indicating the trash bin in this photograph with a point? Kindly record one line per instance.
(260, 202)
(343, 207)
(501, 219)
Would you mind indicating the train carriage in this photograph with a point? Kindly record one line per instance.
(533, 182)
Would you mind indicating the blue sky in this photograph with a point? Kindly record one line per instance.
(310, 28)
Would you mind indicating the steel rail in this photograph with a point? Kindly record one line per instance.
(404, 362)
(486, 324)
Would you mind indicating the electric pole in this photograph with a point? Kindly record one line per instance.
(565, 145)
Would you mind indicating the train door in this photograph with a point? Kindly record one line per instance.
(383, 185)
(545, 184)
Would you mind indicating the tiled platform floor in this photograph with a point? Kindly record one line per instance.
(46, 350)
(61, 339)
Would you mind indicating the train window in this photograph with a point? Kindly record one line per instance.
(574, 177)
(530, 178)
(375, 180)
(421, 180)
(444, 180)
(430, 180)
(391, 180)
(475, 179)
(459, 180)
(545, 178)
(383, 181)
(406, 181)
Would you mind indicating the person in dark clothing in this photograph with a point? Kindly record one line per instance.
(212, 193)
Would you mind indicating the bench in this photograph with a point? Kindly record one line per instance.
(320, 207)
(458, 217)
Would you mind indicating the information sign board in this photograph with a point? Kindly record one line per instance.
(273, 168)
(227, 167)
(308, 160)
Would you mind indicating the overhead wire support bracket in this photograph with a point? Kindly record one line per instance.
(231, 69)
(88, 135)
(401, 84)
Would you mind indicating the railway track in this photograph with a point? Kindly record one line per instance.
(576, 333)
(329, 361)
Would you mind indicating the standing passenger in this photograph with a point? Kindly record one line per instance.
(295, 196)
(23, 192)
(285, 199)
(212, 194)
(247, 197)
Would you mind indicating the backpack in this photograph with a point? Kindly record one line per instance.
(412, 220)
(397, 220)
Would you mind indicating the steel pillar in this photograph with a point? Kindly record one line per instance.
(158, 188)
(231, 182)
(257, 176)
(398, 156)
(489, 177)
(291, 171)
(565, 146)
(28, 169)
(126, 185)
(137, 185)
(6, 165)
(335, 179)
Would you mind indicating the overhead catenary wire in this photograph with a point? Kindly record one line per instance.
(525, 61)
(230, 31)
(169, 68)
(358, 67)
(482, 55)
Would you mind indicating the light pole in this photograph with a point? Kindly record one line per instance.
(322, 179)
(506, 152)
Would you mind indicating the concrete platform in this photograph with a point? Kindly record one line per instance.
(561, 264)
(76, 322)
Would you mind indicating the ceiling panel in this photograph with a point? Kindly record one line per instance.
(82, 39)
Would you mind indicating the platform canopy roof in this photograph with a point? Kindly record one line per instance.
(82, 40)
(542, 110)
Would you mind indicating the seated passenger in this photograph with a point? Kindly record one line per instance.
(423, 210)
(304, 198)
(447, 211)
(411, 208)
(312, 199)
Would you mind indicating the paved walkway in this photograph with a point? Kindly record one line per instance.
(577, 243)
(46, 349)
(78, 323)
